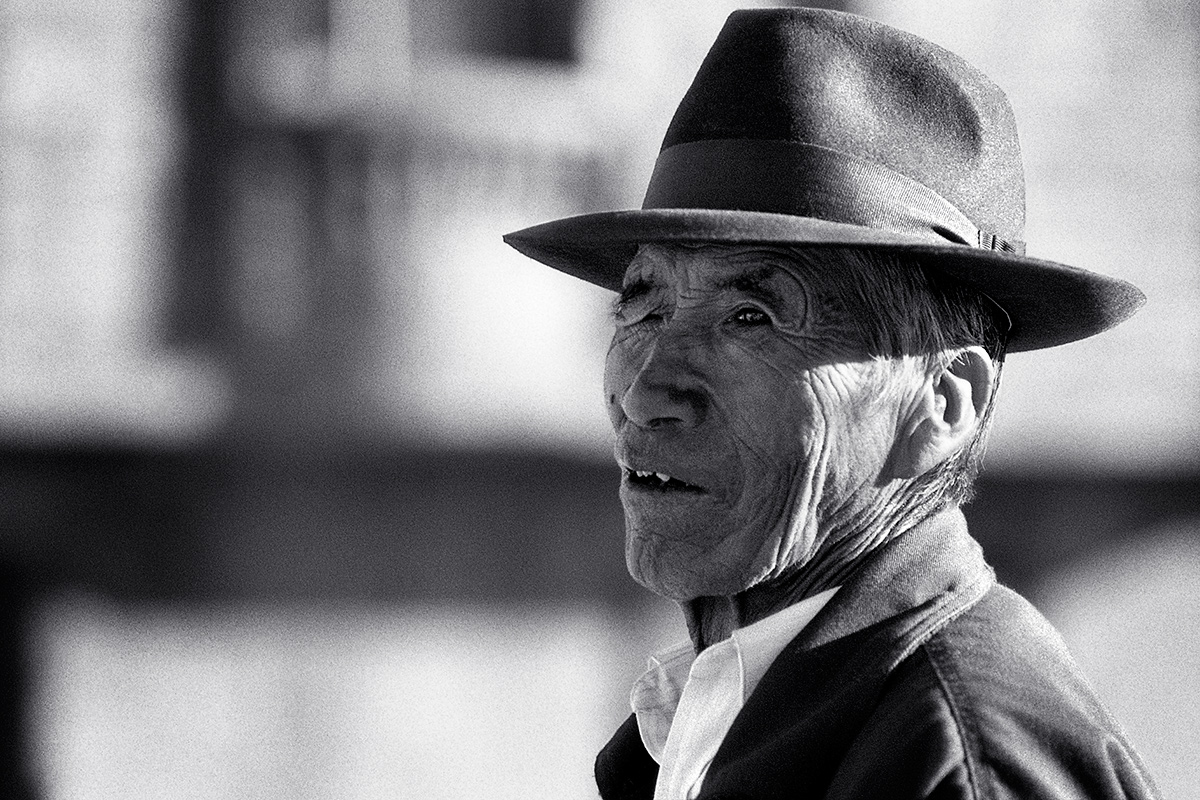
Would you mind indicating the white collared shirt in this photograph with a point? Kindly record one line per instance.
(685, 704)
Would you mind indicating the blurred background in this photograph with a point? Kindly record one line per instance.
(305, 489)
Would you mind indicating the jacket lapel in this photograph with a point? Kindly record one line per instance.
(624, 770)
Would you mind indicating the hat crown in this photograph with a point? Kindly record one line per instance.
(853, 85)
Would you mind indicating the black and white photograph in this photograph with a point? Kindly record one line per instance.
(599, 399)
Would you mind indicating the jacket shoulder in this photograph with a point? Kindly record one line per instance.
(993, 706)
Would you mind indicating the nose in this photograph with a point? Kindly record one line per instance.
(665, 392)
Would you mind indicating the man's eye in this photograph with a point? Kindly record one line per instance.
(649, 318)
(636, 321)
(750, 316)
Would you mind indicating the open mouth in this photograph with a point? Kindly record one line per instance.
(659, 481)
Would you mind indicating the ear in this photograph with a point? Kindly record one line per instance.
(945, 413)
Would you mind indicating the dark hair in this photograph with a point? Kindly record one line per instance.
(898, 307)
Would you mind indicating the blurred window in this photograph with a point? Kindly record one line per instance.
(88, 142)
(512, 29)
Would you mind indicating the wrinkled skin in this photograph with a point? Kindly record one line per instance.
(726, 373)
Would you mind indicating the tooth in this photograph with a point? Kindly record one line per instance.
(663, 476)
(641, 474)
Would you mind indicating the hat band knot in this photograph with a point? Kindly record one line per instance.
(808, 180)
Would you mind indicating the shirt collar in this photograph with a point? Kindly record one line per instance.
(762, 642)
(655, 695)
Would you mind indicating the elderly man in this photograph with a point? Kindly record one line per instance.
(815, 301)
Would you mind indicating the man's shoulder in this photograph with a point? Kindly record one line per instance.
(1003, 669)
(992, 705)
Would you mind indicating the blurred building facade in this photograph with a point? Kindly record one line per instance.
(263, 355)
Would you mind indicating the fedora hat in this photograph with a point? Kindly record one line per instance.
(808, 127)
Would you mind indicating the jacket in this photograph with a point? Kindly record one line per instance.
(921, 678)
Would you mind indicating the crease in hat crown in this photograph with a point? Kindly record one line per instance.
(815, 127)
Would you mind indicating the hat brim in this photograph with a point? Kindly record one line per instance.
(1048, 303)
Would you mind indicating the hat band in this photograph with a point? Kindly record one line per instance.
(808, 180)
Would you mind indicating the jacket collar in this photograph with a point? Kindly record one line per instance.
(935, 567)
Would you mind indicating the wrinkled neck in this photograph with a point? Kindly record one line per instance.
(847, 537)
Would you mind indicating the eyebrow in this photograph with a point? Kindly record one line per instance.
(632, 291)
(756, 283)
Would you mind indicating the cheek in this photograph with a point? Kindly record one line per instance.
(861, 415)
(771, 407)
(620, 368)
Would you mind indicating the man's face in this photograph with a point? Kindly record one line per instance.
(732, 372)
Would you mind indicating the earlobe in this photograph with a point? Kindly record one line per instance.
(943, 418)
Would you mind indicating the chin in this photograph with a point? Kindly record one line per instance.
(681, 579)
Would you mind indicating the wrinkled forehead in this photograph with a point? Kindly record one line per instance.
(712, 267)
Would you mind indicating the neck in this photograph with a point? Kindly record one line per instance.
(847, 540)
